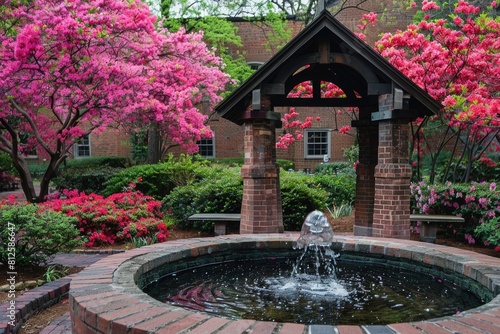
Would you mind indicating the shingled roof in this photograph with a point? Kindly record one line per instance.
(326, 50)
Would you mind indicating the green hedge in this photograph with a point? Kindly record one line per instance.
(300, 195)
(220, 191)
(157, 180)
(89, 180)
(335, 168)
(238, 162)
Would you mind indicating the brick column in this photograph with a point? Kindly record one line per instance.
(391, 214)
(365, 178)
(261, 206)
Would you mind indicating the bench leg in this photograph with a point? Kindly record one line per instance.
(220, 228)
(428, 231)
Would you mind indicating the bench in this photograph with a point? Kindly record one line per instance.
(428, 228)
(221, 220)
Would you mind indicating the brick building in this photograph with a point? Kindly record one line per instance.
(322, 139)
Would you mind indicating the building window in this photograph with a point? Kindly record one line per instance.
(82, 148)
(207, 148)
(317, 143)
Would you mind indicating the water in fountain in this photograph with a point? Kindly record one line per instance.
(314, 271)
(304, 287)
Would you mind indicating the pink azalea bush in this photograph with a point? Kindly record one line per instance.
(114, 219)
(478, 203)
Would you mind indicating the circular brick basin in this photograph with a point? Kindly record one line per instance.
(106, 298)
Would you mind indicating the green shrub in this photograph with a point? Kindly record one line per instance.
(238, 162)
(286, 164)
(157, 180)
(6, 164)
(233, 162)
(37, 169)
(220, 191)
(340, 189)
(116, 162)
(489, 231)
(299, 197)
(89, 180)
(335, 168)
(34, 234)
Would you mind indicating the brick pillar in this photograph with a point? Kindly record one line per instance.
(261, 206)
(391, 214)
(365, 178)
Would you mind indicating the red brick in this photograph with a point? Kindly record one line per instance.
(120, 324)
(458, 327)
(182, 324)
(237, 326)
(263, 327)
(431, 328)
(343, 329)
(404, 329)
(289, 328)
(104, 320)
(483, 325)
(158, 322)
(209, 326)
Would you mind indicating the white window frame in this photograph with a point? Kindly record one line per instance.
(79, 144)
(207, 145)
(307, 143)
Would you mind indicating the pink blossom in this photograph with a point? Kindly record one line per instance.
(493, 186)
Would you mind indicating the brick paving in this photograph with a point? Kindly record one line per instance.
(48, 294)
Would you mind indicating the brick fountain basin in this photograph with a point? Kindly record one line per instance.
(105, 297)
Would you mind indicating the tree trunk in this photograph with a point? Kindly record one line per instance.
(154, 148)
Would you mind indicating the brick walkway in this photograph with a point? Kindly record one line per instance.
(44, 296)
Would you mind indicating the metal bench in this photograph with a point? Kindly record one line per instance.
(428, 228)
(220, 219)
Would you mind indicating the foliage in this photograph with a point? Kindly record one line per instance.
(55, 272)
(89, 180)
(220, 191)
(299, 195)
(340, 189)
(455, 59)
(343, 210)
(75, 67)
(93, 162)
(477, 203)
(489, 231)
(117, 218)
(6, 164)
(39, 234)
(283, 163)
(335, 168)
(286, 164)
(352, 153)
(157, 180)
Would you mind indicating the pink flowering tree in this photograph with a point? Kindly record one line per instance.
(456, 60)
(71, 68)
